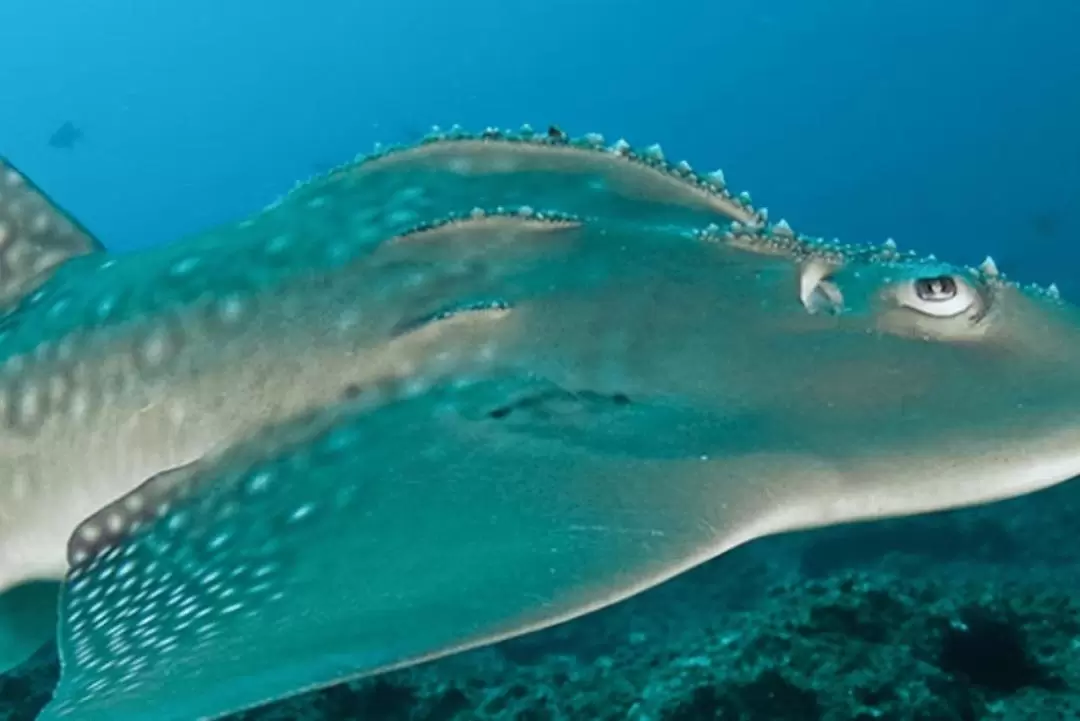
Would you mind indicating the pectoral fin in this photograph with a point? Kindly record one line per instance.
(367, 538)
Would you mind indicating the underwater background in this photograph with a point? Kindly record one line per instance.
(951, 127)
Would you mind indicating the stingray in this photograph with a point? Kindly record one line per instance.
(66, 136)
(461, 390)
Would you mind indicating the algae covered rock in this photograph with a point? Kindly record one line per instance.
(854, 646)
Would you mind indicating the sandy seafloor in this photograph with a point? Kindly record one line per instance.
(965, 616)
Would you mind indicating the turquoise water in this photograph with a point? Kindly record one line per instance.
(945, 125)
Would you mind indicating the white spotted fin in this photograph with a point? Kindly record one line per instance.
(35, 235)
(302, 557)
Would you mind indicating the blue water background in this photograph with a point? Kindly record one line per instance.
(951, 126)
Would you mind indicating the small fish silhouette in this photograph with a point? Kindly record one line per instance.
(66, 136)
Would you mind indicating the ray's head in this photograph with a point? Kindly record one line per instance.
(918, 386)
(891, 384)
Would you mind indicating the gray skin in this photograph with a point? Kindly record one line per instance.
(264, 477)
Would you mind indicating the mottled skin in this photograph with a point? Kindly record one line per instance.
(327, 442)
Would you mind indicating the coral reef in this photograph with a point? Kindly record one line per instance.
(856, 645)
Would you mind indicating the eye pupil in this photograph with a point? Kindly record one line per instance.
(936, 289)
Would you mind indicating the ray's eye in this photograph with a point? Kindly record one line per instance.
(942, 296)
(937, 289)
